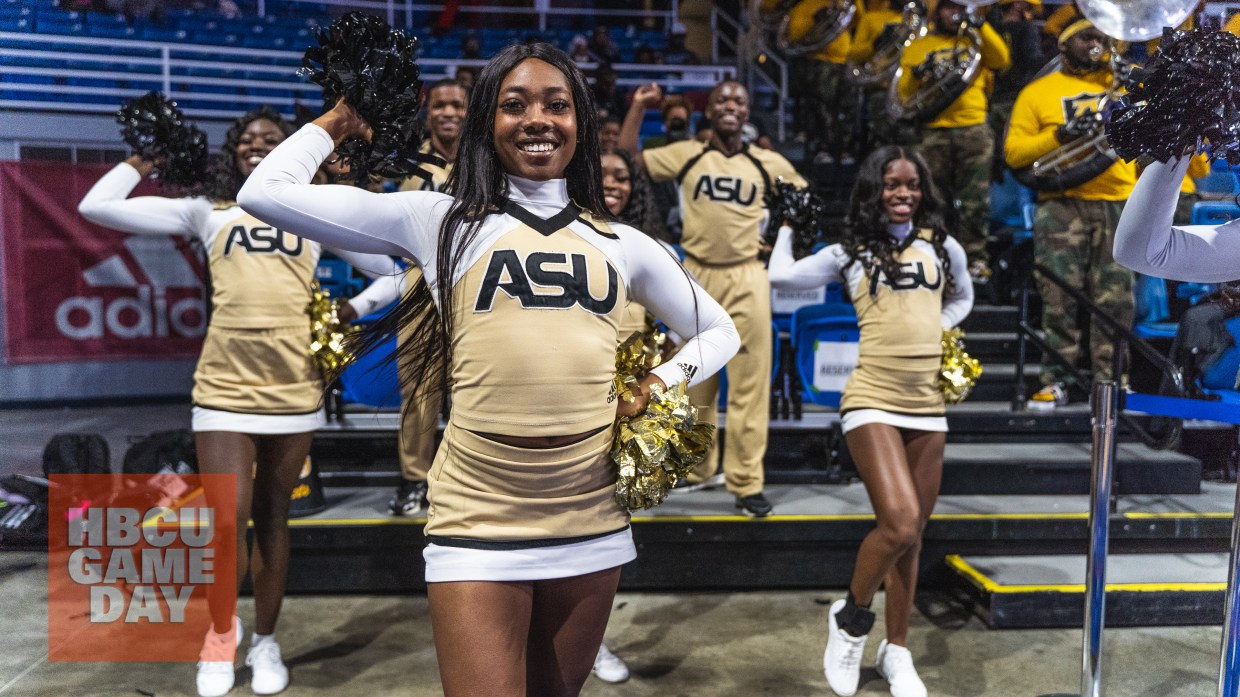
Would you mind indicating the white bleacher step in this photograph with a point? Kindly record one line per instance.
(1049, 590)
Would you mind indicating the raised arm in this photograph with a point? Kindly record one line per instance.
(1147, 241)
(279, 193)
(958, 297)
(644, 97)
(996, 54)
(661, 284)
(813, 271)
(107, 204)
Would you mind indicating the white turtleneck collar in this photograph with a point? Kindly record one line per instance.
(533, 195)
(900, 230)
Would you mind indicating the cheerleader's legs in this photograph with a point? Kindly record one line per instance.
(522, 638)
(263, 494)
(902, 470)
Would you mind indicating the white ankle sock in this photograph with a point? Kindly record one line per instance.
(260, 639)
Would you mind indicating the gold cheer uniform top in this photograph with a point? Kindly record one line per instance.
(538, 295)
(721, 196)
(439, 175)
(255, 373)
(1048, 103)
(901, 321)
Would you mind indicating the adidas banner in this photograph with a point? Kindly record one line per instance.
(74, 291)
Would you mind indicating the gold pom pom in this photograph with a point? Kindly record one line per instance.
(654, 449)
(959, 371)
(326, 335)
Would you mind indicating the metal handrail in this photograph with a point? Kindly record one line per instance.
(753, 64)
(1123, 338)
(173, 59)
(540, 8)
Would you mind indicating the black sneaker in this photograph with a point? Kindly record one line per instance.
(409, 499)
(754, 505)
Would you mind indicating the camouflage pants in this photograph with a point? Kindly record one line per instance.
(960, 160)
(1073, 238)
(1184, 209)
(881, 129)
(1000, 115)
(831, 109)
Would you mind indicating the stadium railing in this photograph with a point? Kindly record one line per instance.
(92, 74)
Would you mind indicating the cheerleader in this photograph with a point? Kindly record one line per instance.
(1148, 242)
(906, 277)
(530, 277)
(257, 391)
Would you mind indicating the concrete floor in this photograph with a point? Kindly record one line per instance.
(677, 645)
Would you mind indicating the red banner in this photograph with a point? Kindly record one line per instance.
(74, 291)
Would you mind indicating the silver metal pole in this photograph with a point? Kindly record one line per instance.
(1105, 413)
(1229, 665)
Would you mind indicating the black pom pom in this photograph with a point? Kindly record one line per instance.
(156, 131)
(801, 209)
(372, 66)
(1186, 99)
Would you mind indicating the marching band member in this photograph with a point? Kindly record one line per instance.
(957, 142)
(1073, 229)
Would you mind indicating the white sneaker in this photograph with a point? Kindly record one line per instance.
(608, 667)
(216, 677)
(269, 674)
(895, 663)
(842, 660)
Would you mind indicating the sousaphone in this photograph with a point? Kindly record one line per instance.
(947, 79)
(879, 68)
(830, 22)
(1081, 159)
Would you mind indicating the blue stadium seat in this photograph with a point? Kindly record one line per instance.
(335, 275)
(1151, 310)
(371, 379)
(1214, 212)
(1221, 182)
(1220, 378)
(1008, 199)
(813, 328)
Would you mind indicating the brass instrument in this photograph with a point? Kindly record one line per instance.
(829, 23)
(886, 59)
(946, 79)
(771, 13)
(1081, 159)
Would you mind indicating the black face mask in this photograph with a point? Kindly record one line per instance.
(677, 130)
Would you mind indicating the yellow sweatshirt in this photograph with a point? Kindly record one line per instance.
(801, 21)
(869, 28)
(971, 107)
(1233, 24)
(1041, 108)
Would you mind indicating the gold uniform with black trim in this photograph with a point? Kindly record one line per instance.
(721, 201)
(900, 323)
(539, 280)
(258, 336)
